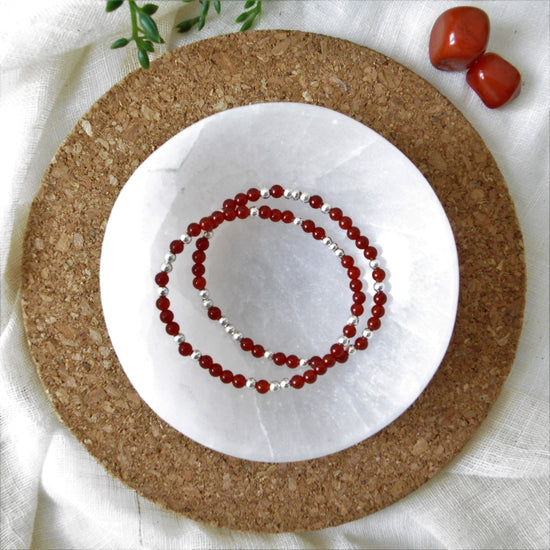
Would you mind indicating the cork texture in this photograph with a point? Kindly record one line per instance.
(66, 331)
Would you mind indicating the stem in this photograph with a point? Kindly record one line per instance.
(133, 14)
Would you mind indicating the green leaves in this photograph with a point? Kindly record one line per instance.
(149, 26)
(120, 43)
(247, 18)
(112, 5)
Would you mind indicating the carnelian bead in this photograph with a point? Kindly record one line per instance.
(345, 222)
(275, 215)
(336, 349)
(347, 261)
(315, 201)
(292, 361)
(202, 244)
(247, 344)
(239, 381)
(315, 360)
(319, 233)
(163, 303)
(361, 242)
(214, 313)
(229, 204)
(162, 278)
(166, 316)
(243, 212)
(320, 368)
(370, 253)
(172, 329)
(310, 376)
(199, 283)
(193, 229)
(279, 358)
(262, 386)
(350, 331)
(205, 361)
(198, 270)
(276, 191)
(342, 358)
(380, 298)
(185, 348)
(329, 360)
(361, 343)
(353, 233)
(356, 285)
(354, 272)
(357, 310)
(241, 199)
(297, 381)
(374, 323)
(199, 256)
(264, 212)
(258, 351)
(230, 214)
(253, 194)
(378, 311)
(176, 247)
(378, 274)
(217, 218)
(288, 216)
(215, 370)
(226, 377)
(335, 214)
(359, 297)
(206, 224)
(308, 226)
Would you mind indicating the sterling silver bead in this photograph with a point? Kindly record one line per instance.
(303, 362)
(353, 320)
(287, 193)
(207, 303)
(208, 234)
(196, 355)
(204, 293)
(332, 246)
(284, 383)
(230, 329)
(351, 350)
(251, 383)
(163, 291)
(367, 333)
(224, 321)
(325, 209)
(237, 336)
(297, 221)
(295, 194)
(254, 212)
(343, 340)
(304, 197)
(275, 386)
(169, 258)
(339, 252)
(378, 287)
(166, 268)
(374, 264)
(327, 241)
(179, 338)
(268, 354)
(186, 238)
(264, 192)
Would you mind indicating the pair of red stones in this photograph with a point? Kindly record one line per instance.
(237, 208)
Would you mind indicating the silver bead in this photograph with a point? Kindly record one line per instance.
(254, 212)
(204, 293)
(297, 221)
(207, 303)
(287, 193)
(325, 209)
(303, 362)
(295, 194)
(374, 264)
(367, 333)
(327, 241)
(353, 320)
(186, 238)
(332, 246)
(196, 355)
(169, 258)
(237, 336)
(343, 340)
(284, 383)
(304, 197)
(264, 192)
(163, 291)
(179, 339)
(166, 268)
(208, 234)
(351, 350)
(251, 383)
(230, 329)
(378, 287)
(339, 252)
(275, 386)
(224, 321)
(268, 354)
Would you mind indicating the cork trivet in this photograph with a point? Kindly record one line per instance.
(66, 331)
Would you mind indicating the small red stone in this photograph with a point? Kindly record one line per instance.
(308, 226)
(214, 313)
(276, 191)
(378, 274)
(262, 386)
(230, 214)
(315, 201)
(292, 361)
(374, 323)
(361, 242)
(319, 233)
(247, 344)
(361, 343)
(162, 278)
(297, 381)
(239, 381)
(199, 283)
(215, 370)
(258, 351)
(229, 204)
(253, 194)
(279, 358)
(320, 368)
(349, 331)
(310, 376)
(198, 270)
(176, 247)
(336, 349)
(354, 272)
(202, 244)
(380, 298)
(206, 224)
(166, 316)
(335, 214)
(378, 311)
(264, 212)
(345, 222)
(359, 297)
(315, 360)
(342, 358)
(199, 256)
(276, 215)
(241, 199)
(226, 377)
(172, 329)
(185, 349)
(357, 309)
(243, 212)
(163, 303)
(288, 216)
(205, 361)
(356, 285)
(193, 229)
(353, 233)
(347, 261)
(370, 253)
(329, 360)
(217, 218)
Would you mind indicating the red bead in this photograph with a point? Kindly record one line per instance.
(214, 313)
(239, 381)
(215, 370)
(335, 214)
(292, 361)
(198, 270)
(202, 244)
(378, 311)
(226, 377)
(357, 310)
(176, 247)
(315, 360)
(380, 298)
(310, 376)
(230, 214)
(172, 329)
(205, 361)
(459, 36)
(329, 360)
(229, 204)
(308, 226)
(288, 216)
(354, 272)
(378, 274)
(279, 358)
(370, 253)
(297, 381)
(166, 316)
(359, 297)
(162, 278)
(347, 261)
(199, 283)
(262, 386)
(361, 242)
(243, 212)
(319, 233)
(276, 191)
(345, 222)
(163, 303)
(253, 194)
(374, 323)
(241, 199)
(206, 224)
(199, 256)
(258, 351)
(342, 358)
(361, 343)
(336, 349)
(356, 285)
(320, 368)
(353, 233)
(350, 331)
(185, 349)
(494, 80)
(275, 215)
(316, 201)
(217, 218)
(264, 212)
(247, 344)
(193, 229)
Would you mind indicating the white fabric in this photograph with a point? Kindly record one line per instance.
(55, 63)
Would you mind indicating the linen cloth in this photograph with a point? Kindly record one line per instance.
(55, 62)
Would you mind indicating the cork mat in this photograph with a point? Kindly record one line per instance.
(61, 302)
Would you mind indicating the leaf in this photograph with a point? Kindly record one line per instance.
(244, 16)
(149, 9)
(247, 24)
(150, 28)
(187, 25)
(249, 4)
(143, 59)
(217, 6)
(112, 5)
(204, 13)
(187, 1)
(120, 43)
(147, 46)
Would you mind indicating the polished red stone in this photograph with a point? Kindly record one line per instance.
(308, 226)
(320, 368)
(215, 370)
(350, 331)
(229, 204)
(297, 381)
(214, 313)
(198, 270)
(315, 360)
(378, 274)
(361, 242)
(310, 376)
(353, 233)
(247, 344)
(288, 216)
(370, 253)
(239, 381)
(199, 283)
(185, 349)
(361, 343)
(342, 358)
(380, 298)
(292, 361)
(163, 303)
(276, 215)
(374, 323)
(205, 361)
(357, 309)
(335, 214)
(230, 214)
(319, 233)
(356, 285)
(166, 316)
(354, 272)
(202, 244)
(162, 278)
(226, 377)
(194, 229)
(315, 201)
(336, 349)
(217, 218)
(176, 247)
(262, 386)
(258, 351)
(243, 212)
(345, 222)
(359, 297)
(206, 224)
(329, 360)
(347, 261)
(378, 311)
(279, 358)
(276, 191)
(264, 212)
(253, 194)
(199, 256)
(241, 199)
